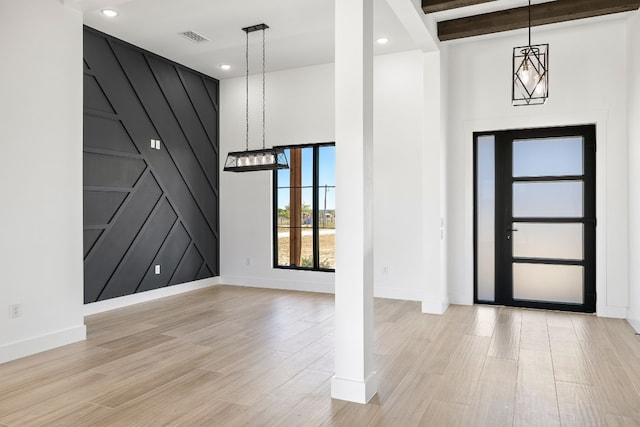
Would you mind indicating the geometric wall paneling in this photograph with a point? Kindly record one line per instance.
(107, 254)
(187, 124)
(107, 134)
(94, 98)
(100, 206)
(101, 170)
(136, 67)
(168, 258)
(202, 102)
(90, 237)
(169, 216)
(189, 266)
(204, 272)
(141, 253)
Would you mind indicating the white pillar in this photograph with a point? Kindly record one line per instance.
(355, 378)
(435, 299)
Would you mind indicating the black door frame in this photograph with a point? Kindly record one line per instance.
(503, 216)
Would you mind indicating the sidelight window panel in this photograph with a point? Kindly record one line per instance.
(485, 219)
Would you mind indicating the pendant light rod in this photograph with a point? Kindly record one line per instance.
(247, 30)
(263, 87)
(529, 22)
(269, 159)
(246, 80)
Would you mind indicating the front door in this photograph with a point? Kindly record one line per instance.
(535, 218)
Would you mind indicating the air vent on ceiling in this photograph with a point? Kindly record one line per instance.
(194, 37)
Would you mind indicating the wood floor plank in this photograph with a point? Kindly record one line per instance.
(494, 400)
(77, 414)
(627, 347)
(621, 421)
(536, 403)
(588, 329)
(534, 333)
(484, 321)
(400, 411)
(237, 356)
(578, 405)
(441, 413)
(460, 379)
(48, 398)
(505, 341)
(346, 414)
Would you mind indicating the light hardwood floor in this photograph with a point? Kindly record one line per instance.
(228, 356)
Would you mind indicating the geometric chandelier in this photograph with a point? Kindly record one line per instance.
(530, 72)
(264, 158)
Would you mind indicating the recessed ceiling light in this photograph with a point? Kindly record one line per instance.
(225, 67)
(110, 13)
(382, 40)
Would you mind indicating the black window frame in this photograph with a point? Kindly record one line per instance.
(315, 210)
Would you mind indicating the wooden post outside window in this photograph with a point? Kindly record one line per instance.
(295, 206)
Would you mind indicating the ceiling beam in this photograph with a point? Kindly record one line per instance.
(431, 6)
(541, 14)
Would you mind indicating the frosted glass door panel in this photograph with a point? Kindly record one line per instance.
(538, 240)
(550, 283)
(486, 200)
(548, 157)
(548, 199)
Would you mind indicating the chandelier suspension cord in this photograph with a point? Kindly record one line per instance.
(246, 56)
(263, 87)
(529, 22)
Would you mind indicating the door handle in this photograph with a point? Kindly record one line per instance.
(510, 229)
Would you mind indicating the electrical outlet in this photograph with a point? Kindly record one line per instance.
(15, 311)
(385, 269)
(157, 269)
(248, 261)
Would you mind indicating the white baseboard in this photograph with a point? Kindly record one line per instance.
(458, 299)
(396, 293)
(435, 307)
(41, 343)
(283, 284)
(634, 321)
(354, 391)
(612, 312)
(127, 300)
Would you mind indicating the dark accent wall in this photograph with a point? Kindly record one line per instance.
(145, 206)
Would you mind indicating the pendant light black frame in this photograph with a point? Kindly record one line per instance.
(531, 61)
(265, 158)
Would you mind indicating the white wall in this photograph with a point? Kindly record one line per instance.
(300, 109)
(398, 208)
(40, 176)
(587, 85)
(633, 75)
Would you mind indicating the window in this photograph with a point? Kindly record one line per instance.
(305, 209)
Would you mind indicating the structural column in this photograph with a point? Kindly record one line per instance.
(355, 377)
(434, 268)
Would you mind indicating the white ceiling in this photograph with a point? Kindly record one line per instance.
(301, 32)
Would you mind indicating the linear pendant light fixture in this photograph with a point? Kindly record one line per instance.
(530, 72)
(265, 158)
